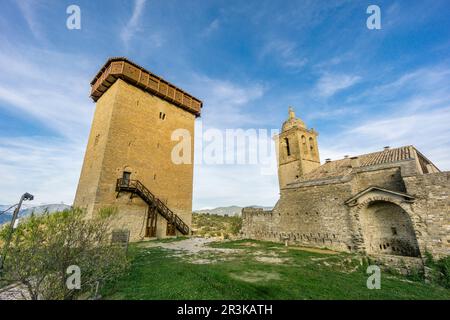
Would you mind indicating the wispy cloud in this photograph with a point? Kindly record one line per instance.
(285, 53)
(227, 102)
(355, 88)
(227, 105)
(46, 167)
(423, 84)
(133, 24)
(46, 93)
(330, 84)
(413, 108)
(212, 27)
(54, 98)
(333, 113)
(428, 131)
(29, 10)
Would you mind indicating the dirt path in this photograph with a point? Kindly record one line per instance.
(196, 250)
(190, 246)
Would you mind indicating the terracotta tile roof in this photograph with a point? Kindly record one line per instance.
(343, 167)
(387, 156)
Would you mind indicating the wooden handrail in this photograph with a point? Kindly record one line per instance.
(135, 186)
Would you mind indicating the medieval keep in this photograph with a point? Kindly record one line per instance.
(392, 204)
(128, 162)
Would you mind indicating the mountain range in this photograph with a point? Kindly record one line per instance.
(28, 210)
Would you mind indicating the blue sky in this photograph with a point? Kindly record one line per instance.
(247, 60)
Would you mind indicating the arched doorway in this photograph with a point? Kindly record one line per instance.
(387, 229)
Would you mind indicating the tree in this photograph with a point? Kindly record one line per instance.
(44, 247)
(236, 224)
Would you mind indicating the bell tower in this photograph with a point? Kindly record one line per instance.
(297, 150)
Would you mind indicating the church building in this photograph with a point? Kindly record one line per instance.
(392, 204)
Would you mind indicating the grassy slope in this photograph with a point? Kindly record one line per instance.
(158, 274)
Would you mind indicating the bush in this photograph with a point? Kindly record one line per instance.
(216, 225)
(43, 247)
(439, 270)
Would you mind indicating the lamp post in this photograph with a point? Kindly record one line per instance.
(24, 197)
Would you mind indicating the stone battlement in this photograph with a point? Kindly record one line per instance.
(253, 211)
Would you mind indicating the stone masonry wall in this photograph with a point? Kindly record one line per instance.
(432, 208)
(311, 216)
(387, 178)
(315, 214)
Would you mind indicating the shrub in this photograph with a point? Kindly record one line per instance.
(44, 246)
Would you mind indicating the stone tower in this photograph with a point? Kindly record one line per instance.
(298, 152)
(128, 162)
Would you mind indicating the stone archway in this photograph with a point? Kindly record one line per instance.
(387, 229)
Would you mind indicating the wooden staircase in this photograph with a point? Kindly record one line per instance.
(137, 188)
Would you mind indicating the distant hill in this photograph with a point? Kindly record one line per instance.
(230, 211)
(27, 210)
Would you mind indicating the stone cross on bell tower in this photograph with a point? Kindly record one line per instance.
(291, 113)
(297, 149)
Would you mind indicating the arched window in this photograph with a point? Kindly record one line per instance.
(288, 149)
(311, 145)
(305, 149)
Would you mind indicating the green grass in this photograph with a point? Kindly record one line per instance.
(158, 273)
